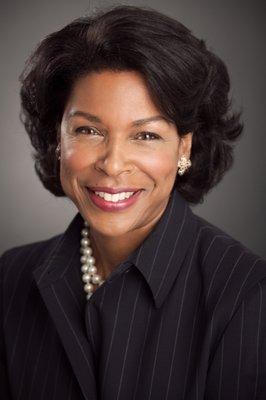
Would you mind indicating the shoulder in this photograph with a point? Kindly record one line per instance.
(229, 270)
(25, 258)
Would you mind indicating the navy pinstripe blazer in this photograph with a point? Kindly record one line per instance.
(184, 317)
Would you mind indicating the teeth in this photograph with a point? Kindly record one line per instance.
(114, 197)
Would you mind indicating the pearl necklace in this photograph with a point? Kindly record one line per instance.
(88, 267)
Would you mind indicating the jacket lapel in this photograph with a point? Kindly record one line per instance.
(59, 282)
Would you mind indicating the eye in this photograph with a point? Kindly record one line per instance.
(87, 130)
(147, 136)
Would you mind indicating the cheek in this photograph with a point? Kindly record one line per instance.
(72, 163)
(161, 166)
(74, 158)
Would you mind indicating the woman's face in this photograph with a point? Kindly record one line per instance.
(113, 136)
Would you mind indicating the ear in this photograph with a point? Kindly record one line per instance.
(185, 145)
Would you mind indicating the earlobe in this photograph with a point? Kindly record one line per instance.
(189, 144)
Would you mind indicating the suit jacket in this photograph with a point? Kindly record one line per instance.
(184, 317)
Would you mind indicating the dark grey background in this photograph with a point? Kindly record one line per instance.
(235, 30)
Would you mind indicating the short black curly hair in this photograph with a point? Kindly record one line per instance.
(187, 82)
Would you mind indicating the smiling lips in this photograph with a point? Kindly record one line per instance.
(111, 199)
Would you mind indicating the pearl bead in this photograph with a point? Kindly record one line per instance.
(84, 242)
(83, 259)
(91, 260)
(85, 268)
(96, 279)
(87, 251)
(92, 269)
(85, 232)
(88, 287)
(86, 278)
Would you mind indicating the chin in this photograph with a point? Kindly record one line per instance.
(112, 231)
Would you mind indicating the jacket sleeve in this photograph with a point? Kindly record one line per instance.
(238, 369)
(4, 381)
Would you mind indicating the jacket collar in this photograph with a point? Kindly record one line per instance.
(62, 292)
(65, 247)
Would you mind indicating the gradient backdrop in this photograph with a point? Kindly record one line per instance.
(235, 30)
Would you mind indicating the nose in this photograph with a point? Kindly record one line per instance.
(113, 158)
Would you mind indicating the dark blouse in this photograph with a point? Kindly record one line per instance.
(184, 317)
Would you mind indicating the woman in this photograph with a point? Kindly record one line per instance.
(140, 298)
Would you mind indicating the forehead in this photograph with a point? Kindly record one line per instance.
(108, 93)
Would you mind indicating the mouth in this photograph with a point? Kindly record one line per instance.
(113, 202)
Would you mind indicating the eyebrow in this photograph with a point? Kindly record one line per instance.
(139, 122)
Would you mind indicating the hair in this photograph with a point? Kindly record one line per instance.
(187, 82)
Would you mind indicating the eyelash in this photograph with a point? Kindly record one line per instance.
(85, 128)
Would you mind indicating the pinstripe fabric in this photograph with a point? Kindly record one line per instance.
(184, 317)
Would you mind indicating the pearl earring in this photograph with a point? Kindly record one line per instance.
(183, 164)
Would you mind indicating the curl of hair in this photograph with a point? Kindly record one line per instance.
(188, 83)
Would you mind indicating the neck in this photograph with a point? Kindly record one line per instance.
(109, 252)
